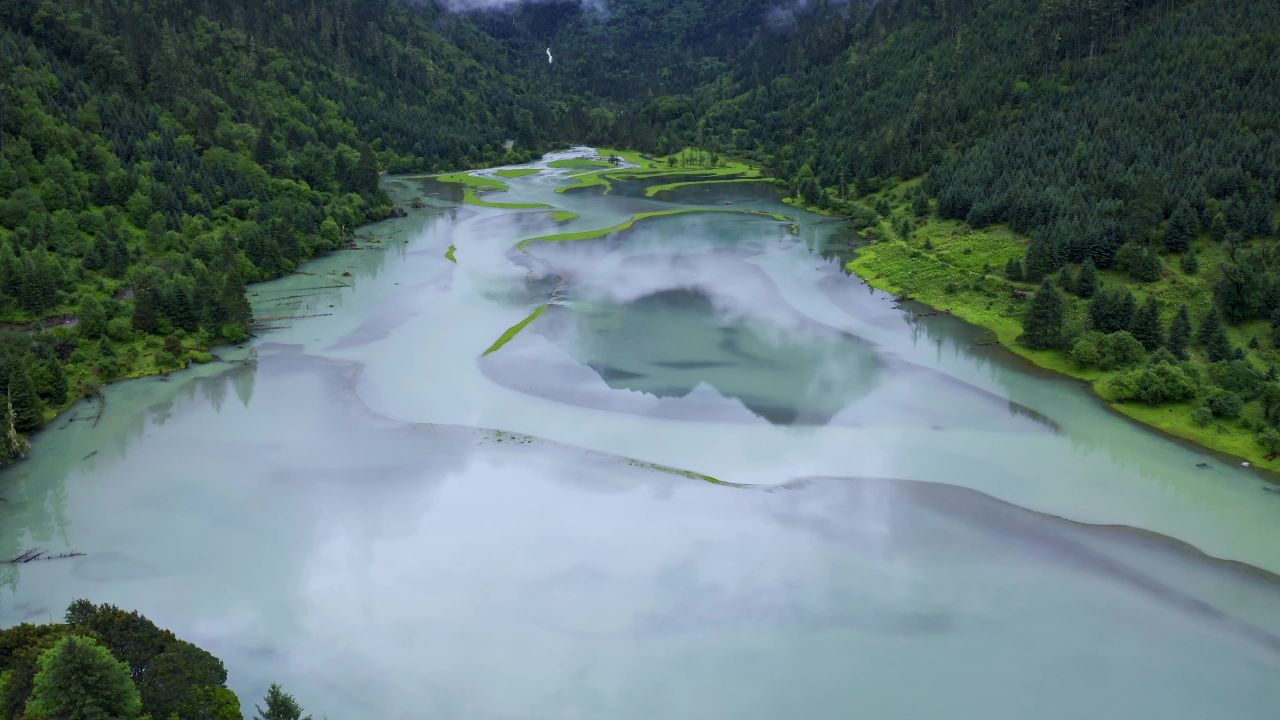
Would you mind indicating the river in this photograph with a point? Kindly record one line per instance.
(713, 477)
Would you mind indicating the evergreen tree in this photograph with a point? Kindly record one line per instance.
(1013, 269)
(280, 706)
(12, 444)
(1146, 325)
(920, 203)
(1190, 263)
(1087, 279)
(1148, 267)
(1042, 324)
(1212, 336)
(78, 679)
(1112, 310)
(1177, 238)
(1040, 261)
(28, 414)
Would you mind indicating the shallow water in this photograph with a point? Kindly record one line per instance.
(363, 506)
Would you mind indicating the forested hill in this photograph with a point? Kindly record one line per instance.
(156, 155)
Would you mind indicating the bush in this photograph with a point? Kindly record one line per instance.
(1225, 404)
(1085, 353)
(1154, 384)
(1201, 416)
(1237, 376)
(1120, 350)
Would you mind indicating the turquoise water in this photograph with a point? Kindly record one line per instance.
(362, 506)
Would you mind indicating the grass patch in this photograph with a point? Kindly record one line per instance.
(449, 254)
(941, 263)
(515, 330)
(580, 162)
(517, 172)
(564, 216)
(473, 185)
(702, 166)
(600, 232)
(655, 189)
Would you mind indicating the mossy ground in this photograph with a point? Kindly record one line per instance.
(958, 269)
(517, 172)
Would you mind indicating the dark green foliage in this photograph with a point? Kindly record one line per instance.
(1225, 404)
(920, 203)
(78, 679)
(1112, 310)
(28, 413)
(1042, 324)
(1179, 333)
(1106, 352)
(1189, 263)
(280, 706)
(1013, 269)
(1154, 384)
(1146, 325)
(1237, 376)
(1147, 268)
(1181, 230)
(1212, 336)
(164, 668)
(166, 676)
(1087, 280)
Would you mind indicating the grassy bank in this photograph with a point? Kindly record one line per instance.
(473, 185)
(601, 232)
(961, 270)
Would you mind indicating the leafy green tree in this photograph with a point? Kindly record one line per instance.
(1153, 384)
(210, 702)
(1042, 324)
(806, 184)
(280, 706)
(78, 679)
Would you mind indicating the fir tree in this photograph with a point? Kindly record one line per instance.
(1013, 269)
(280, 706)
(1042, 324)
(1148, 267)
(28, 415)
(12, 444)
(1177, 238)
(1190, 263)
(1146, 325)
(1087, 280)
(1213, 337)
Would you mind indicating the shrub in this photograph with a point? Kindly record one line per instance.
(1154, 384)
(1225, 404)
(1201, 416)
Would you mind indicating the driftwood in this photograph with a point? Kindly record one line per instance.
(102, 405)
(33, 554)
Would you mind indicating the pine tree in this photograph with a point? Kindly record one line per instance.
(1190, 263)
(1146, 325)
(1213, 337)
(1177, 238)
(1042, 324)
(280, 706)
(920, 204)
(1013, 269)
(12, 444)
(1148, 267)
(1087, 280)
(28, 415)
(1040, 261)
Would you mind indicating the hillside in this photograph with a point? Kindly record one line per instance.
(156, 157)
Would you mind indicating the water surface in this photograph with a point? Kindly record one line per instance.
(903, 522)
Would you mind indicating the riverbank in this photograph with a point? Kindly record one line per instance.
(957, 269)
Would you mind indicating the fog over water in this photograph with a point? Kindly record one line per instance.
(714, 477)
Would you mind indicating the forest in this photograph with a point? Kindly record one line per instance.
(105, 662)
(156, 156)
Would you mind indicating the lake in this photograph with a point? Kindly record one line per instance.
(714, 476)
